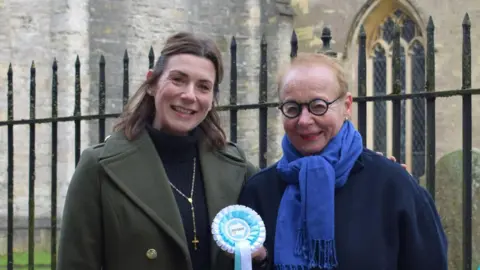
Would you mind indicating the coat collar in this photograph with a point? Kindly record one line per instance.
(135, 167)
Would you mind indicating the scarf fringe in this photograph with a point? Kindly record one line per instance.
(320, 253)
(323, 254)
(290, 267)
(301, 248)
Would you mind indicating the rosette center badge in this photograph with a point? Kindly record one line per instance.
(235, 224)
(237, 229)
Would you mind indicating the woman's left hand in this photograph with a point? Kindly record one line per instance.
(392, 158)
(260, 254)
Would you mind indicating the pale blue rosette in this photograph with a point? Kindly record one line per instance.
(239, 230)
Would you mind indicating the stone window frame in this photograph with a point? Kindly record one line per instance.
(409, 45)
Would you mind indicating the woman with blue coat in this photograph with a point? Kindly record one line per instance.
(330, 203)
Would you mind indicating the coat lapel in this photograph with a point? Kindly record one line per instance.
(223, 179)
(135, 167)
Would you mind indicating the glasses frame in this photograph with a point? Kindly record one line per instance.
(301, 105)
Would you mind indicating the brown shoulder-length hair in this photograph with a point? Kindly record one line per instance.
(141, 107)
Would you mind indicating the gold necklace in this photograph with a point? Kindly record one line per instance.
(195, 240)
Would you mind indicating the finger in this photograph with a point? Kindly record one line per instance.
(406, 168)
(392, 158)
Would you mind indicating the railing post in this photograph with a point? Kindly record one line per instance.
(77, 110)
(151, 58)
(53, 169)
(467, 144)
(233, 90)
(126, 79)
(362, 84)
(293, 45)
(397, 86)
(263, 111)
(430, 87)
(31, 171)
(10, 166)
(101, 100)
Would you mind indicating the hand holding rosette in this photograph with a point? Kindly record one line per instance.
(239, 230)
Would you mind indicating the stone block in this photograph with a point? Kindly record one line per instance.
(448, 198)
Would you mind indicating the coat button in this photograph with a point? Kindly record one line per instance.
(151, 254)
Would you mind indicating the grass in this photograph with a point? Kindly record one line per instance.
(20, 260)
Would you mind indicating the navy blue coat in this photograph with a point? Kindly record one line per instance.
(384, 220)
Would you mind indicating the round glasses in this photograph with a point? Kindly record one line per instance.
(318, 106)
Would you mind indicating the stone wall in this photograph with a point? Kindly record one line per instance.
(43, 30)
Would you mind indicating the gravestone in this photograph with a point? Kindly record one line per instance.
(448, 198)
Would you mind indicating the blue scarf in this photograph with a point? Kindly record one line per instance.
(305, 235)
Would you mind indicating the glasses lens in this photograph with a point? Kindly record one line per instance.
(290, 109)
(318, 106)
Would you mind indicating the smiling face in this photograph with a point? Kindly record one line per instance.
(183, 94)
(310, 133)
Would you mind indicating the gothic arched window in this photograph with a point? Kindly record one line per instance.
(412, 76)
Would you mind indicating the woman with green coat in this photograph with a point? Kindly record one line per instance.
(145, 198)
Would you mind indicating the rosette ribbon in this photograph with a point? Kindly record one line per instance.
(243, 256)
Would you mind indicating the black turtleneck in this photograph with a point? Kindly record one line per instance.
(177, 154)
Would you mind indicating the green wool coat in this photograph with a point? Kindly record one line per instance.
(121, 214)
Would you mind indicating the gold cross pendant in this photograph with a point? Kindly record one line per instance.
(195, 242)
